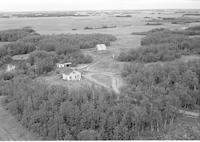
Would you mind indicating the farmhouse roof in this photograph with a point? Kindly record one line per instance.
(66, 70)
(100, 45)
(69, 63)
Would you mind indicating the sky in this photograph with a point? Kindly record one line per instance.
(64, 5)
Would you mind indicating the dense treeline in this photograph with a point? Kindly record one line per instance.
(176, 83)
(190, 31)
(152, 53)
(66, 48)
(87, 113)
(14, 34)
(59, 43)
(162, 45)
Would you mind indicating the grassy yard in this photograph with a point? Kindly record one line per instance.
(55, 79)
(104, 79)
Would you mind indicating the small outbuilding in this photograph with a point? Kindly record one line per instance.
(10, 68)
(70, 74)
(101, 47)
(62, 65)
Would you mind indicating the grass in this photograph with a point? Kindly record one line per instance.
(104, 79)
(108, 65)
(3, 43)
(21, 57)
(55, 79)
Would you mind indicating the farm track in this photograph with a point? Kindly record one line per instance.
(190, 113)
(115, 79)
(10, 129)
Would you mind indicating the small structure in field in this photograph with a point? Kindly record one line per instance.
(62, 65)
(10, 68)
(101, 47)
(70, 74)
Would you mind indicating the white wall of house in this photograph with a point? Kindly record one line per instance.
(75, 75)
(101, 47)
(10, 68)
(60, 65)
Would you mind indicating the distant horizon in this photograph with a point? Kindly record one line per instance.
(95, 5)
(98, 10)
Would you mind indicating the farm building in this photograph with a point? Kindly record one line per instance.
(62, 65)
(70, 74)
(101, 47)
(10, 68)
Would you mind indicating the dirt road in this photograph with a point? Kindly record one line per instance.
(10, 129)
(116, 81)
(190, 113)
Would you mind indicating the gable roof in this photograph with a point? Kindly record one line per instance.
(100, 45)
(69, 63)
(66, 70)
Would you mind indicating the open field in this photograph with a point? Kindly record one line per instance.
(103, 78)
(3, 43)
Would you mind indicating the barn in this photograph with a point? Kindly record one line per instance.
(70, 74)
(101, 47)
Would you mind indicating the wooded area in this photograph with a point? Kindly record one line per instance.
(164, 45)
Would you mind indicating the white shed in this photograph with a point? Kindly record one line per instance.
(62, 65)
(10, 68)
(101, 47)
(70, 74)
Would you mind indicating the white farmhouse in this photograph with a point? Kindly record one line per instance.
(101, 47)
(70, 74)
(10, 68)
(62, 65)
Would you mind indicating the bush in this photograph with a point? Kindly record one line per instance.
(7, 76)
(88, 28)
